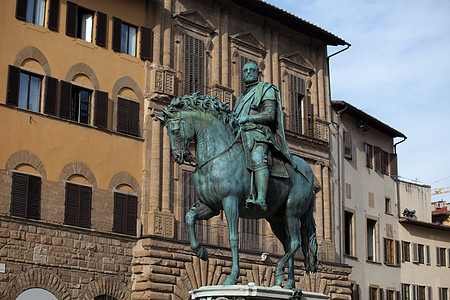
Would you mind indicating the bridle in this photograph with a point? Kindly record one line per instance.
(192, 161)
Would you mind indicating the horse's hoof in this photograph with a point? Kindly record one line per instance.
(202, 253)
(230, 281)
(290, 284)
(279, 278)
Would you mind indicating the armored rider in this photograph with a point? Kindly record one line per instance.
(258, 112)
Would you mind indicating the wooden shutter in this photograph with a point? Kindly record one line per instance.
(146, 52)
(101, 109)
(65, 99)
(71, 205)
(133, 118)
(119, 213)
(21, 10)
(430, 293)
(34, 197)
(102, 23)
(53, 18)
(12, 91)
(428, 255)
(415, 248)
(19, 195)
(397, 253)
(347, 145)
(51, 95)
(309, 116)
(85, 206)
(131, 214)
(386, 252)
(71, 19)
(117, 34)
(377, 155)
(393, 165)
(122, 115)
(193, 65)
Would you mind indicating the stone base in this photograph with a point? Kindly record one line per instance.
(251, 291)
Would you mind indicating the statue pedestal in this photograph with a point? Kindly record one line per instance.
(251, 292)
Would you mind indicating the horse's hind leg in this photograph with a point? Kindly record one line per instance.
(231, 209)
(198, 212)
(293, 230)
(278, 225)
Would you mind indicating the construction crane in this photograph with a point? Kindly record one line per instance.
(439, 191)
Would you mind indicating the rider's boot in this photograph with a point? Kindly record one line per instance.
(261, 182)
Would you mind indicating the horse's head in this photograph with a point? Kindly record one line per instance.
(180, 134)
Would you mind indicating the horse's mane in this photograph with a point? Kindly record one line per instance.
(203, 103)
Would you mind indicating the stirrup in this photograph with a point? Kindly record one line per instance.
(250, 202)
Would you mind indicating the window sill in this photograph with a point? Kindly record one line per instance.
(392, 265)
(373, 262)
(350, 257)
(35, 27)
(84, 43)
(129, 58)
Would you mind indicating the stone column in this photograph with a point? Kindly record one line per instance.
(166, 172)
(318, 216)
(155, 160)
(225, 46)
(275, 62)
(320, 87)
(268, 58)
(326, 203)
(167, 19)
(157, 32)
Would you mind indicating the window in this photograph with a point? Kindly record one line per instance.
(32, 11)
(369, 155)
(443, 293)
(79, 22)
(29, 91)
(387, 206)
(128, 116)
(26, 196)
(125, 213)
(384, 162)
(406, 253)
(372, 240)
(194, 65)
(347, 145)
(349, 233)
(420, 292)
(390, 295)
(406, 294)
(441, 257)
(389, 252)
(373, 293)
(418, 253)
(128, 39)
(249, 234)
(124, 39)
(78, 205)
(75, 105)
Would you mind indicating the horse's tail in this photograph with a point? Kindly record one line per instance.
(309, 240)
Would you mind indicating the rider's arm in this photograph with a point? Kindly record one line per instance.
(267, 115)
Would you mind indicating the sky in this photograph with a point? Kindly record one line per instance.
(396, 70)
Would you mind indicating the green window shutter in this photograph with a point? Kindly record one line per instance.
(19, 195)
(51, 95)
(65, 99)
(12, 91)
(71, 205)
(71, 19)
(21, 10)
(102, 25)
(85, 196)
(53, 18)
(146, 52)
(101, 109)
(131, 214)
(34, 197)
(117, 34)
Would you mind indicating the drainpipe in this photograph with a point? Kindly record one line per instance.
(397, 181)
(337, 125)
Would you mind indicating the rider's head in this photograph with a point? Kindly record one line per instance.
(250, 73)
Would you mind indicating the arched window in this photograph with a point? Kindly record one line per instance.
(37, 293)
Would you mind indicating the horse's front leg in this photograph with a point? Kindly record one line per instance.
(231, 209)
(198, 212)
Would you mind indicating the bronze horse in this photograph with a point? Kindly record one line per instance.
(222, 182)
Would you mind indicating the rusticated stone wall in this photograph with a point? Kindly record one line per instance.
(166, 269)
(71, 263)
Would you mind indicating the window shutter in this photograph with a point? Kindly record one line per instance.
(188, 46)
(393, 165)
(72, 205)
(428, 255)
(199, 66)
(102, 23)
(131, 214)
(51, 96)
(430, 293)
(119, 213)
(34, 197)
(146, 52)
(377, 154)
(85, 206)
(134, 118)
(438, 257)
(12, 92)
(347, 145)
(386, 251)
(65, 99)
(71, 19)
(397, 253)
(101, 109)
(415, 248)
(414, 292)
(53, 18)
(117, 34)
(21, 10)
(122, 115)
(403, 251)
(193, 65)
(19, 195)
(309, 116)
